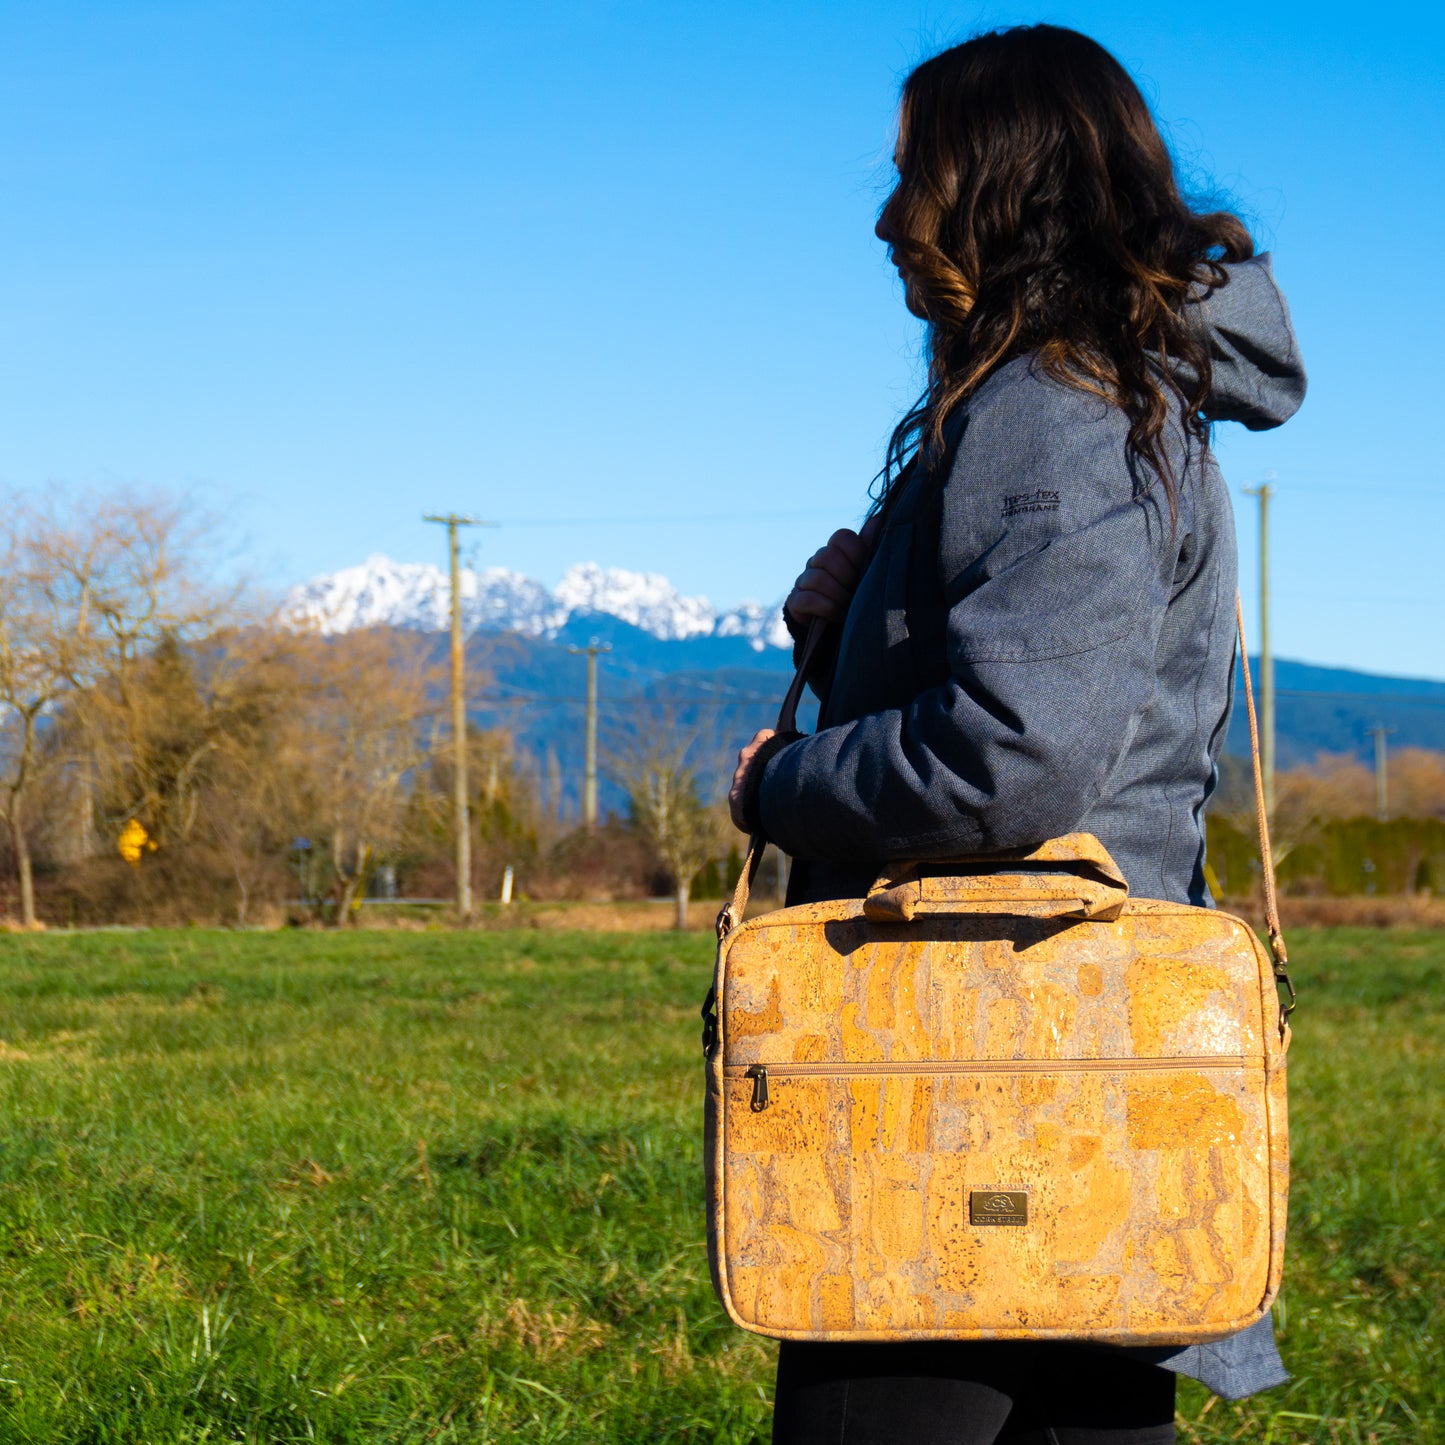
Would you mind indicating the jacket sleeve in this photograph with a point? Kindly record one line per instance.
(1057, 562)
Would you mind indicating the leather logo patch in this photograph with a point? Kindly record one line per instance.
(998, 1206)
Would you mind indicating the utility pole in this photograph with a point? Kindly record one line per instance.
(461, 816)
(589, 793)
(1264, 492)
(1382, 787)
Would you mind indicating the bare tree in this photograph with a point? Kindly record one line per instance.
(91, 588)
(1417, 781)
(1307, 797)
(37, 661)
(257, 789)
(136, 577)
(660, 766)
(366, 731)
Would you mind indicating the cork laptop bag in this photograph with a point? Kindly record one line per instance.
(997, 1098)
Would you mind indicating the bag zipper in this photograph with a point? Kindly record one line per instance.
(759, 1073)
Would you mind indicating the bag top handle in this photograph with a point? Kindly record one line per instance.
(732, 913)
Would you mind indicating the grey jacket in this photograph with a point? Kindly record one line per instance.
(1038, 647)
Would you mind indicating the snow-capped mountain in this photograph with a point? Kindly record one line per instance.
(381, 592)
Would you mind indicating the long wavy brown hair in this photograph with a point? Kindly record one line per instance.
(1037, 211)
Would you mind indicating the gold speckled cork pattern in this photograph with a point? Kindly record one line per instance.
(983, 1125)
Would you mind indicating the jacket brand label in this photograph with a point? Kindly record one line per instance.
(998, 1206)
(1042, 500)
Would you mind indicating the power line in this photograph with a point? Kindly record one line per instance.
(1347, 598)
(541, 699)
(1361, 489)
(615, 709)
(741, 518)
(1370, 697)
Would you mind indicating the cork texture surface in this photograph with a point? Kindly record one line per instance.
(1121, 1082)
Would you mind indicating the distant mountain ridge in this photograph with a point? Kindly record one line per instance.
(722, 673)
(1332, 710)
(417, 596)
(723, 691)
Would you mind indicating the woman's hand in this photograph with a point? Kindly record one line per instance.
(740, 778)
(825, 586)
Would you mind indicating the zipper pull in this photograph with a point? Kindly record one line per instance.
(759, 1075)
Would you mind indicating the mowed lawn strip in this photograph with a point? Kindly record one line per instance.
(415, 1187)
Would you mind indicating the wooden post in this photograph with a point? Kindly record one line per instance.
(461, 811)
(589, 786)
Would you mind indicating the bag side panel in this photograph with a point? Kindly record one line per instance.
(712, 1146)
(714, 1152)
(1276, 1048)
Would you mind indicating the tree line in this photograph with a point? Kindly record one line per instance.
(171, 749)
(1326, 833)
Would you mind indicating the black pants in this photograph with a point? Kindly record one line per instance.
(969, 1394)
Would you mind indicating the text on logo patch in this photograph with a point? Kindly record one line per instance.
(998, 1206)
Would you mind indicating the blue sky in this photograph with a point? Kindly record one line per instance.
(606, 273)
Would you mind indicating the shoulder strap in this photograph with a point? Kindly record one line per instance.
(788, 713)
(1261, 816)
(736, 906)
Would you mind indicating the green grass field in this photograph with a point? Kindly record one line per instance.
(440, 1187)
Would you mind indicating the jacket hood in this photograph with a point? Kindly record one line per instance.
(1258, 377)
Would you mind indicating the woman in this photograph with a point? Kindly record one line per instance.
(1034, 633)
